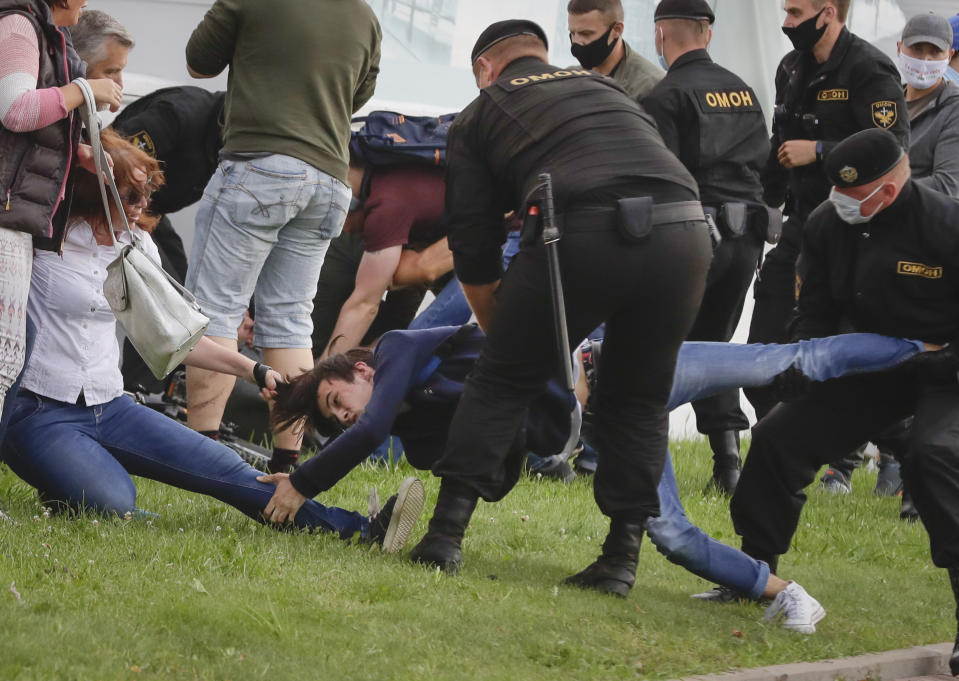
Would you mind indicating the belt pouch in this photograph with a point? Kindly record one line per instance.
(733, 217)
(635, 218)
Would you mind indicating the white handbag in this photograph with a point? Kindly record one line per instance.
(160, 317)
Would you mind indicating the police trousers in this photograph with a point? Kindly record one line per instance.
(648, 293)
(797, 438)
(732, 269)
(775, 302)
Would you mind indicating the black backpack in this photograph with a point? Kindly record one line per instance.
(387, 138)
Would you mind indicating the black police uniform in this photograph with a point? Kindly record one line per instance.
(599, 147)
(713, 122)
(857, 88)
(896, 275)
(180, 127)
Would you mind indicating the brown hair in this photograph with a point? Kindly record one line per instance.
(842, 7)
(296, 400)
(611, 9)
(62, 4)
(87, 204)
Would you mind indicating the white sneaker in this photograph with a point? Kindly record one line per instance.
(799, 610)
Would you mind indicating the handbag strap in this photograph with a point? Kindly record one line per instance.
(92, 122)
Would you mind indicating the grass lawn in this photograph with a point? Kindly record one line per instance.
(204, 593)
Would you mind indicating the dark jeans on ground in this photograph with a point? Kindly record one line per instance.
(733, 267)
(648, 293)
(84, 457)
(796, 438)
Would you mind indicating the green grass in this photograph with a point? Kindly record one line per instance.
(204, 593)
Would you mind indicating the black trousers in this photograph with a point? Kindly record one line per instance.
(648, 294)
(732, 269)
(796, 438)
(775, 302)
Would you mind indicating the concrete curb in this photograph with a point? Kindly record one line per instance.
(894, 664)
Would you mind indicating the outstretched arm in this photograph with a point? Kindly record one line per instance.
(372, 279)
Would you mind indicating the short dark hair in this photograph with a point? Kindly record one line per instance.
(610, 8)
(296, 400)
(62, 4)
(842, 7)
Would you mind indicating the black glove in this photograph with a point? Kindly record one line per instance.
(791, 384)
(938, 367)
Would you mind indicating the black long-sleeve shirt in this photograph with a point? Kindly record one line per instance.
(897, 275)
(575, 124)
(713, 122)
(855, 89)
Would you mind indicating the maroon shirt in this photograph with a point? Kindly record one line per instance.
(404, 205)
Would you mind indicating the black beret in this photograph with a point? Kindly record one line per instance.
(697, 10)
(502, 30)
(863, 157)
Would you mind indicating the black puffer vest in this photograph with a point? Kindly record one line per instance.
(33, 165)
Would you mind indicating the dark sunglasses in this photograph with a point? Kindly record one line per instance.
(134, 195)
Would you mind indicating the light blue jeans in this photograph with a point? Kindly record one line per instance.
(704, 369)
(263, 227)
(84, 457)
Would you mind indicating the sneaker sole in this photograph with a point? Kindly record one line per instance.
(406, 511)
(809, 628)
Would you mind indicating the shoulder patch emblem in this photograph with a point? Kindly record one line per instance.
(917, 269)
(884, 114)
(144, 142)
(838, 95)
(848, 174)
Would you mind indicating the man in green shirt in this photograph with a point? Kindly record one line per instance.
(596, 33)
(297, 73)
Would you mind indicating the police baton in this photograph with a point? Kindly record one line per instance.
(551, 236)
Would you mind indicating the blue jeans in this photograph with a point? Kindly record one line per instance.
(84, 457)
(704, 369)
(263, 226)
(450, 307)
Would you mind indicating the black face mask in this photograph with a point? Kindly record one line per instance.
(805, 36)
(593, 54)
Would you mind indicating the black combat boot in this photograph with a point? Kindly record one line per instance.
(726, 463)
(614, 572)
(954, 659)
(441, 545)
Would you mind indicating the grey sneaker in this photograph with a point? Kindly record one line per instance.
(390, 526)
(798, 610)
(721, 594)
(835, 482)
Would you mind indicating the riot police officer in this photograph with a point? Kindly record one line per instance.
(881, 256)
(634, 253)
(713, 122)
(831, 86)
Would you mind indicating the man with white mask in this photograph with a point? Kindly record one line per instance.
(881, 255)
(932, 102)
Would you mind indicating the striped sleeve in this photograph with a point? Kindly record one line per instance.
(23, 107)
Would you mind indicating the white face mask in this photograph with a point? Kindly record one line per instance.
(850, 210)
(922, 74)
(660, 56)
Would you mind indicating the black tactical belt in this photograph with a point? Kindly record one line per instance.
(605, 218)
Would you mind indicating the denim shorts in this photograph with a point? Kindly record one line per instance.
(262, 229)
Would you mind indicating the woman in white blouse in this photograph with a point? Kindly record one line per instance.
(74, 434)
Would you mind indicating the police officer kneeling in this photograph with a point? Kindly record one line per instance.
(881, 256)
(634, 253)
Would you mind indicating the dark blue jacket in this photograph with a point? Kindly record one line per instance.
(417, 385)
